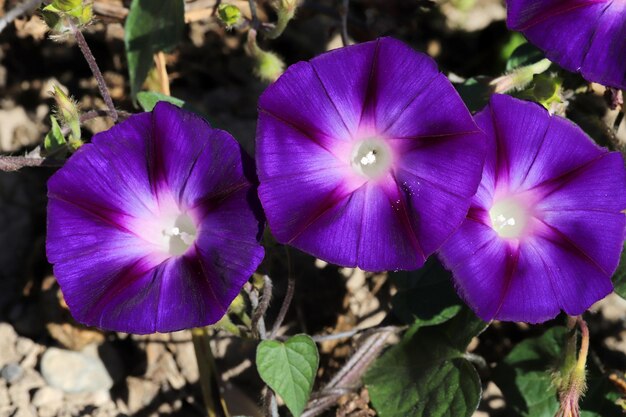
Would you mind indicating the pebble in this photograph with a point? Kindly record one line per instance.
(12, 372)
(8, 338)
(141, 392)
(49, 398)
(75, 371)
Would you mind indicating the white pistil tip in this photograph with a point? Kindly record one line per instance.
(509, 218)
(180, 236)
(371, 158)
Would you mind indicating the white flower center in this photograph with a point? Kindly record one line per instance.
(371, 158)
(509, 218)
(181, 235)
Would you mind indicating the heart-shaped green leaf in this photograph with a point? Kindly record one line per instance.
(289, 369)
(426, 374)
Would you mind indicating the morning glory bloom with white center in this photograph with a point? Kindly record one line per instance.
(366, 156)
(545, 230)
(155, 225)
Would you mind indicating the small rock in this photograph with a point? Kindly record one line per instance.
(75, 371)
(186, 360)
(26, 411)
(8, 338)
(12, 372)
(16, 130)
(19, 393)
(101, 398)
(49, 398)
(4, 398)
(168, 365)
(24, 346)
(141, 392)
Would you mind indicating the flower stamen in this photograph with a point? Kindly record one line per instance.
(181, 235)
(371, 158)
(509, 218)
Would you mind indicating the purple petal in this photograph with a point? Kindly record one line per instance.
(530, 291)
(433, 183)
(93, 260)
(116, 161)
(443, 119)
(579, 35)
(585, 207)
(563, 29)
(365, 229)
(479, 262)
(387, 215)
(520, 130)
(577, 281)
(345, 74)
(315, 113)
(295, 162)
(605, 62)
(399, 77)
(559, 153)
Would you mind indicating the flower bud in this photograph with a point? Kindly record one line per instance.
(269, 66)
(285, 10)
(54, 143)
(519, 78)
(67, 112)
(229, 14)
(61, 14)
(570, 379)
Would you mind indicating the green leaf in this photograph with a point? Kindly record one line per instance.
(426, 374)
(54, 140)
(524, 55)
(289, 369)
(148, 99)
(475, 92)
(619, 278)
(426, 295)
(151, 26)
(525, 379)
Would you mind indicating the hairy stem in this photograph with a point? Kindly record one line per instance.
(91, 61)
(284, 308)
(260, 307)
(253, 12)
(584, 344)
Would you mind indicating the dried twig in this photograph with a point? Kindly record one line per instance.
(348, 376)
(17, 11)
(14, 163)
(260, 307)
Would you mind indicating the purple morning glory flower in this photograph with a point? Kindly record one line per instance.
(154, 226)
(366, 156)
(580, 35)
(545, 229)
